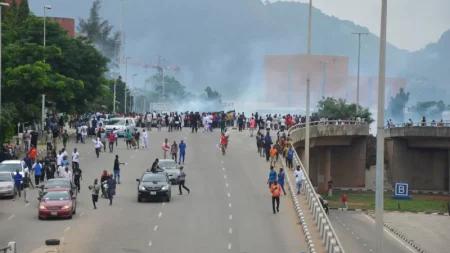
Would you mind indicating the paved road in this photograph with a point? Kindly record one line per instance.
(228, 209)
(356, 231)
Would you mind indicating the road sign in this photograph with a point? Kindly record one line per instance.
(401, 191)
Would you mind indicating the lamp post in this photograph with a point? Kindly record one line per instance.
(134, 95)
(308, 87)
(46, 7)
(1, 6)
(359, 61)
(126, 82)
(379, 205)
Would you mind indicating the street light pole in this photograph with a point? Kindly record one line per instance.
(134, 95)
(46, 7)
(359, 63)
(126, 82)
(379, 205)
(308, 95)
(1, 6)
(163, 81)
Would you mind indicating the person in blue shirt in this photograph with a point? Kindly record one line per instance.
(111, 188)
(267, 145)
(17, 184)
(182, 148)
(37, 172)
(272, 176)
(28, 162)
(289, 158)
(281, 176)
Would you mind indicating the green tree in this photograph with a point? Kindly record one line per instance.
(338, 108)
(397, 105)
(23, 12)
(173, 90)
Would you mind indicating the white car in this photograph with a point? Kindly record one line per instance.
(6, 184)
(120, 124)
(12, 166)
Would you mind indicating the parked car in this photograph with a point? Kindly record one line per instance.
(120, 124)
(6, 184)
(57, 203)
(172, 169)
(154, 185)
(12, 165)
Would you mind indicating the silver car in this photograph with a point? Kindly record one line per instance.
(171, 167)
(6, 184)
(13, 165)
(121, 125)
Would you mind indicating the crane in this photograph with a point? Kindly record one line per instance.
(159, 66)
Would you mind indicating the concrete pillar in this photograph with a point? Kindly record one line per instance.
(326, 165)
(448, 168)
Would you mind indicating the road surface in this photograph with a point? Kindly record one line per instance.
(356, 232)
(228, 209)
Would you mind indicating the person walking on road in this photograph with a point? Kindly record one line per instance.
(182, 180)
(98, 146)
(111, 139)
(145, 138)
(67, 174)
(165, 147)
(75, 158)
(182, 147)
(95, 190)
(77, 177)
(290, 157)
(37, 167)
(26, 182)
(111, 188)
(275, 189)
(128, 137)
(17, 184)
(65, 138)
(137, 138)
(272, 176)
(116, 169)
(174, 151)
(281, 176)
(223, 143)
(299, 176)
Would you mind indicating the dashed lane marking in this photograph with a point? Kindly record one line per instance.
(155, 228)
(230, 230)
(229, 204)
(81, 214)
(12, 216)
(150, 243)
(164, 203)
(228, 194)
(224, 176)
(223, 169)
(222, 161)
(67, 229)
(132, 156)
(226, 185)
(27, 204)
(160, 214)
(231, 217)
(229, 245)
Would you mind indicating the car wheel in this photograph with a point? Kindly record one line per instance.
(139, 199)
(40, 218)
(50, 242)
(70, 217)
(74, 211)
(168, 198)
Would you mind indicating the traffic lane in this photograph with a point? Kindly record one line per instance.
(258, 229)
(196, 222)
(128, 223)
(356, 231)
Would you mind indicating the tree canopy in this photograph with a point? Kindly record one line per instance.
(338, 108)
(69, 71)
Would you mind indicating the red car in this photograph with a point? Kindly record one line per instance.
(57, 203)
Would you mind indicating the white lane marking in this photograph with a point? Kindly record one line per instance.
(164, 203)
(357, 238)
(228, 194)
(222, 161)
(387, 231)
(229, 204)
(81, 214)
(67, 229)
(230, 230)
(82, 158)
(231, 217)
(160, 214)
(12, 216)
(223, 169)
(132, 156)
(229, 245)
(89, 152)
(156, 227)
(226, 185)
(224, 176)
(185, 138)
(150, 243)
(27, 204)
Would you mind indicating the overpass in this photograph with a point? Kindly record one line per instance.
(419, 155)
(337, 152)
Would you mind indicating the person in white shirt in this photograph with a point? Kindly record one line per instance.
(98, 146)
(67, 174)
(299, 177)
(282, 123)
(144, 139)
(268, 125)
(61, 170)
(149, 121)
(59, 158)
(84, 132)
(75, 158)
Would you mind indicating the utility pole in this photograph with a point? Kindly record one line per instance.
(359, 61)
(126, 82)
(43, 114)
(134, 95)
(379, 198)
(308, 95)
(46, 7)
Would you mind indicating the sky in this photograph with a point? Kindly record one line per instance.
(412, 24)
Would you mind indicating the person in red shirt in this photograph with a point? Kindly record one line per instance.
(275, 189)
(112, 138)
(223, 143)
(344, 201)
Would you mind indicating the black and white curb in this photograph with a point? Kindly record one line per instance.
(410, 242)
(390, 190)
(368, 210)
(348, 209)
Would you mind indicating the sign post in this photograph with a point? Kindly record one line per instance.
(401, 191)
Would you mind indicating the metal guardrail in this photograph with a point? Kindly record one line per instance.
(327, 233)
(10, 249)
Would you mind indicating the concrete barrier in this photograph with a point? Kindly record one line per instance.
(327, 233)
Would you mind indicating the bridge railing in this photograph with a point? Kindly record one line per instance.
(327, 232)
(328, 122)
(445, 123)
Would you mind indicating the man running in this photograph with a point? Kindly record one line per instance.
(182, 180)
(117, 169)
(275, 189)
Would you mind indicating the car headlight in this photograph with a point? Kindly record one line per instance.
(142, 188)
(165, 188)
(42, 207)
(10, 187)
(66, 207)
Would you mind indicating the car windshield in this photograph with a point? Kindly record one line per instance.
(116, 122)
(10, 167)
(57, 184)
(5, 177)
(59, 195)
(168, 165)
(154, 177)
